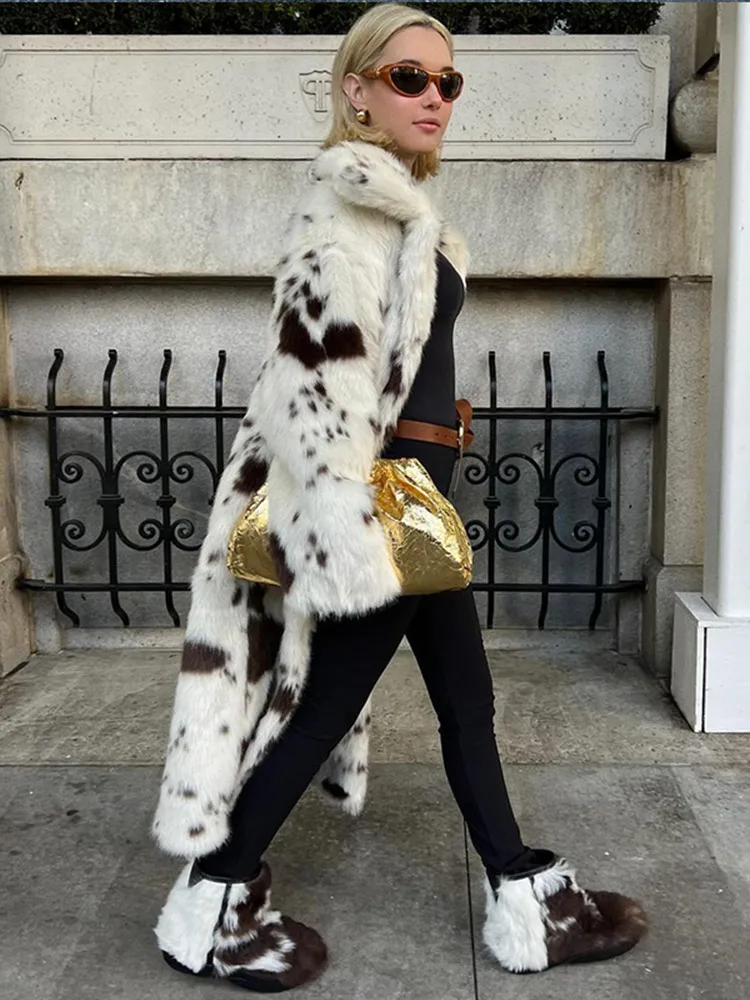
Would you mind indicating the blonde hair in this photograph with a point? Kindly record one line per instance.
(358, 52)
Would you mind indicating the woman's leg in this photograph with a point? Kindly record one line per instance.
(348, 656)
(537, 915)
(446, 639)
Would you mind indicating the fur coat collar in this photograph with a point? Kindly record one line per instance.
(353, 301)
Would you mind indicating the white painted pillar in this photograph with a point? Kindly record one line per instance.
(711, 651)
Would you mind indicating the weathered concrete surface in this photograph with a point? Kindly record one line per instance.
(16, 630)
(269, 97)
(601, 767)
(208, 219)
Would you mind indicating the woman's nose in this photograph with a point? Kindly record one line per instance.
(432, 95)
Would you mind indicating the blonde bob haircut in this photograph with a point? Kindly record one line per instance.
(359, 51)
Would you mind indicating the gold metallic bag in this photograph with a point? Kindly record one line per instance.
(429, 544)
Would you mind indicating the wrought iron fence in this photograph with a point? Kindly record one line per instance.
(495, 472)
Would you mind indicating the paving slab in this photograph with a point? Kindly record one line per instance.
(82, 885)
(600, 765)
(112, 707)
(630, 830)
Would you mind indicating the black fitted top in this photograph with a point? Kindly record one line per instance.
(433, 392)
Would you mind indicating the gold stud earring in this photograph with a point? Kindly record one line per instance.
(362, 116)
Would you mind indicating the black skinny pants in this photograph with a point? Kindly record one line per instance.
(348, 656)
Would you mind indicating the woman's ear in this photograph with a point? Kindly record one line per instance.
(352, 87)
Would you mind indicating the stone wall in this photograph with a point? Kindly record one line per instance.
(16, 633)
(111, 244)
(567, 257)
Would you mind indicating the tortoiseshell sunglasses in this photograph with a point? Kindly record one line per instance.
(411, 81)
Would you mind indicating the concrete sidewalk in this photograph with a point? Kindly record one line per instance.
(599, 764)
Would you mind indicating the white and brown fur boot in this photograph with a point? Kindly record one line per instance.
(542, 918)
(227, 930)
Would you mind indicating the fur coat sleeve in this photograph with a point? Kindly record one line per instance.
(353, 302)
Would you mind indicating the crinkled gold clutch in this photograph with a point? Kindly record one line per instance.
(430, 547)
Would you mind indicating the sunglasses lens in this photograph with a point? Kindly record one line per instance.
(409, 79)
(450, 86)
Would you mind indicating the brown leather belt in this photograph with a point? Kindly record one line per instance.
(458, 437)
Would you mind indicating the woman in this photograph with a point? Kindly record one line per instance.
(275, 682)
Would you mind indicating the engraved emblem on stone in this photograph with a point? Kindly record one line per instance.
(316, 88)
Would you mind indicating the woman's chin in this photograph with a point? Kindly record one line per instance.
(422, 148)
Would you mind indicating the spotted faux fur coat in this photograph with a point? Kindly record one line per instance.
(353, 302)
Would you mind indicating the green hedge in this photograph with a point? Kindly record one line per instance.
(315, 18)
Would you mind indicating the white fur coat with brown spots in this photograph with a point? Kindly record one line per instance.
(353, 302)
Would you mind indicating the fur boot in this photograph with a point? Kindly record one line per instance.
(227, 930)
(542, 918)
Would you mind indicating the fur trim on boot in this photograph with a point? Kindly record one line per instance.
(227, 930)
(541, 919)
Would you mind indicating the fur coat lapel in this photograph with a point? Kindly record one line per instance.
(353, 302)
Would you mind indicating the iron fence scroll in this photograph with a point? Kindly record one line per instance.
(496, 535)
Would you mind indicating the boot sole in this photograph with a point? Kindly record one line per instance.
(246, 980)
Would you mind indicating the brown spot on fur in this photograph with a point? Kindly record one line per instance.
(247, 422)
(388, 436)
(189, 793)
(395, 383)
(296, 517)
(343, 341)
(295, 340)
(322, 470)
(255, 593)
(367, 517)
(306, 962)
(284, 702)
(223, 729)
(214, 557)
(196, 831)
(322, 558)
(200, 658)
(608, 926)
(246, 913)
(314, 307)
(286, 575)
(263, 641)
(253, 473)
